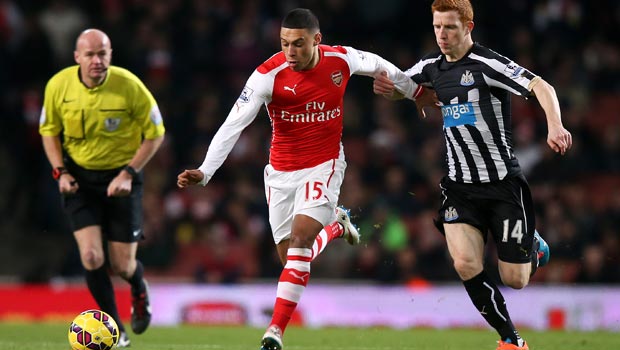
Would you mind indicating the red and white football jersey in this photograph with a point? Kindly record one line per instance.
(305, 107)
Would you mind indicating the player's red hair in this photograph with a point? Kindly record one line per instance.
(462, 7)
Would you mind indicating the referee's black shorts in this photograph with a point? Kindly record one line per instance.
(120, 218)
(504, 208)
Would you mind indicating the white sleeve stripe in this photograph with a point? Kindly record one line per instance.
(493, 63)
(278, 69)
(337, 54)
(417, 69)
(501, 68)
(343, 57)
(492, 82)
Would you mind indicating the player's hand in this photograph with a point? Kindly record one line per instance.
(427, 103)
(189, 177)
(120, 185)
(382, 85)
(67, 184)
(559, 139)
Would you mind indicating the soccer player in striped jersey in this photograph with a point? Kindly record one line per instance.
(302, 88)
(484, 190)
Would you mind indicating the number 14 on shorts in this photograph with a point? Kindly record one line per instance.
(516, 233)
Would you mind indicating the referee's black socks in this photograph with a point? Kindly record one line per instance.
(137, 280)
(100, 286)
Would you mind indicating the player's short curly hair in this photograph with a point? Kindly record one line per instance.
(462, 7)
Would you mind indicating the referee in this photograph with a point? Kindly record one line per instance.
(100, 126)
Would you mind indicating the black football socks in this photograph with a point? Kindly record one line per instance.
(491, 304)
(100, 286)
(137, 280)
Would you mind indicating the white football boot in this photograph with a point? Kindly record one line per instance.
(350, 234)
(272, 340)
(123, 341)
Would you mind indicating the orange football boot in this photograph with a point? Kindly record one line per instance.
(502, 345)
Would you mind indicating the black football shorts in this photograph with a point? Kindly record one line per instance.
(504, 208)
(120, 218)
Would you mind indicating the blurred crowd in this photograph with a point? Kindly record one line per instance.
(195, 55)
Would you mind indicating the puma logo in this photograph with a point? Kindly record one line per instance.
(291, 89)
(303, 278)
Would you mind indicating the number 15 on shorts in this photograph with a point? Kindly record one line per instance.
(314, 190)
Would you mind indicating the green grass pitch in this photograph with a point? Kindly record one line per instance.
(53, 336)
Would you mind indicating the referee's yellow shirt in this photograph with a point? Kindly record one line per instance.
(102, 127)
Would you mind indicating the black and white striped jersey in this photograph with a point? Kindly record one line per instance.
(474, 93)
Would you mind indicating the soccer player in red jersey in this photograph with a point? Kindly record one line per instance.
(302, 88)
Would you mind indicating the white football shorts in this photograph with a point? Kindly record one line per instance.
(313, 192)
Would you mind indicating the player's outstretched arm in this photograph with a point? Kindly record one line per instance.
(425, 98)
(558, 138)
(189, 177)
(383, 85)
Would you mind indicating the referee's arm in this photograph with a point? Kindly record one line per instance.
(145, 152)
(121, 185)
(53, 150)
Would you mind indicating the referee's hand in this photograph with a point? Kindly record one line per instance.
(120, 185)
(67, 184)
(189, 177)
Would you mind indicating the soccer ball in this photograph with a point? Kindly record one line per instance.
(93, 330)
